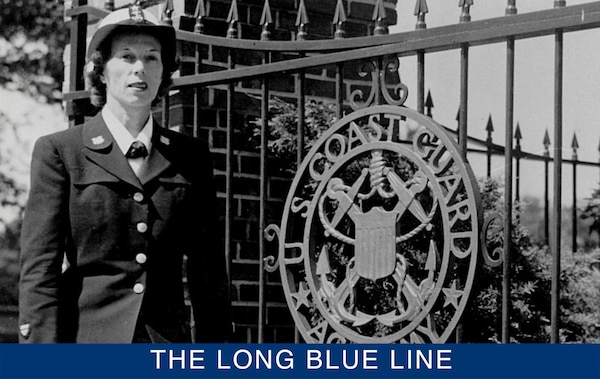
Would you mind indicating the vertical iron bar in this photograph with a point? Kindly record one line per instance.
(574, 146)
(574, 211)
(339, 18)
(339, 90)
(197, 90)
(76, 72)
(420, 11)
(518, 176)
(378, 73)
(197, 95)
(265, 35)
(556, 236)
(490, 143)
(264, 129)
(489, 161)
(546, 189)
(301, 23)
(462, 125)
(546, 198)
(229, 166)
(462, 112)
(508, 190)
(301, 91)
(232, 20)
(165, 111)
(464, 97)
(517, 154)
(421, 82)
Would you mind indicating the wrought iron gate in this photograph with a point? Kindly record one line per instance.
(355, 73)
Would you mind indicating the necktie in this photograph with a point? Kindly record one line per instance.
(137, 150)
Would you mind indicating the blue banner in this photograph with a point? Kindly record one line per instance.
(299, 361)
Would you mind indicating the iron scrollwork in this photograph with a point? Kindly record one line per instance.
(270, 233)
(493, 225)
(379, 69)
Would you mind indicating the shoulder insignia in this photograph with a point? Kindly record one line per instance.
(98, 140)
(165, 140)
(25, 330)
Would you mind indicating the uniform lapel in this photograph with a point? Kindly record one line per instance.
(156, 163)
(101, 149)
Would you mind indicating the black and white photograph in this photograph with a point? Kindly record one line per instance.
(297, 171)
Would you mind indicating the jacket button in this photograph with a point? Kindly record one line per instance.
(138, 196)
(138, 288)
(142, 227)
(141, 258)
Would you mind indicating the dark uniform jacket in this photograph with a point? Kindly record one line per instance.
(122, 240)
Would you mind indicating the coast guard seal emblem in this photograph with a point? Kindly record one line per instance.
(379, 236)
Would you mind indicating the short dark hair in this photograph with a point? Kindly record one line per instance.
(101, 56)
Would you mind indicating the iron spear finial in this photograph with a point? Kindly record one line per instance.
(489, 127)
(546, 143)
(465, 5)
(574, 146)
(511, 8)
(379, 16)
(265, 20)
(429, 104)
(421, 10)
(199, 14)
(232, 19)
(518, 135)
(166, 16)
(339, 17)
(301, 22)
(518, 138)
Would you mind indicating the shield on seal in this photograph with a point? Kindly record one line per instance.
(375, 244)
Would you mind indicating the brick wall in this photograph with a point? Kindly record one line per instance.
(320, 83)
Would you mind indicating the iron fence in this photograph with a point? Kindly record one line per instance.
(327, 68)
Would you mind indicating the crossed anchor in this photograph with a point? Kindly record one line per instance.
(375, 242)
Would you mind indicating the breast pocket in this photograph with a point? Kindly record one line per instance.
(95, 197)
(173, 197)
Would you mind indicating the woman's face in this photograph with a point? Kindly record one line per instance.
(133, 72)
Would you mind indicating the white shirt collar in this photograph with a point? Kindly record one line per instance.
(121, 135)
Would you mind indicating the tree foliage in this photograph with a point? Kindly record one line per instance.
(530, 289)
(283, 130)
(592, 211)
(33, 35)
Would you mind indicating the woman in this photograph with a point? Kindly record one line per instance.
(116, 204)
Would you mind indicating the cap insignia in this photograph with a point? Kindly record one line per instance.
(136, 13)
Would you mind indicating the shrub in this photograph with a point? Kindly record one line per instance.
(531, 283)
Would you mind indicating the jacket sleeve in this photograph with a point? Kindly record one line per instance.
(208, 281)
(43, 238)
